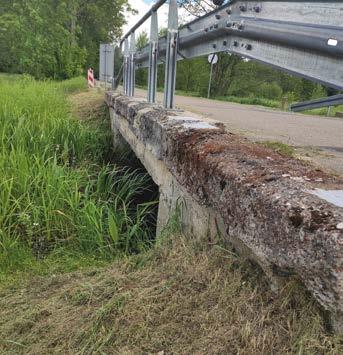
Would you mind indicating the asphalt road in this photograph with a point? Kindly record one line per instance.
(316, 139)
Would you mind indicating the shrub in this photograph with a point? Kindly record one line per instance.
(269, 91)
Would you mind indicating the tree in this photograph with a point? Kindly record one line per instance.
(224, 72)
(57, 38)
(142, 73)
(100, 21)
(142, 40)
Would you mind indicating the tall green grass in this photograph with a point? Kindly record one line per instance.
(56, 189)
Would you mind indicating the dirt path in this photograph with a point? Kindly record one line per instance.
(317, 139)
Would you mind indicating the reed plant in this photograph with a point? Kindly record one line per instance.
(57, 189)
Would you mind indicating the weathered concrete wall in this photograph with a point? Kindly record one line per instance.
(262, 203)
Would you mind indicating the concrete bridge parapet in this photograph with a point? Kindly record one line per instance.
(277, 211)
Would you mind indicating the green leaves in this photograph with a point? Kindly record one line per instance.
(56, 188)
(56, 39)
(113, 229)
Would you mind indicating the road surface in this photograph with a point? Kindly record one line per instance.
(315, 138)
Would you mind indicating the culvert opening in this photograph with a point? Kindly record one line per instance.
(133, 197)
(144, 199)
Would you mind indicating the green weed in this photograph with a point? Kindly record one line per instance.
(251, 101)
(281, 148)
(56, 188)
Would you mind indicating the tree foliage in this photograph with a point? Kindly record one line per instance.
(56, 38)
(142, 40)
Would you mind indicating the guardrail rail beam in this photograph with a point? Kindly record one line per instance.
(318, 103)
(302, 37)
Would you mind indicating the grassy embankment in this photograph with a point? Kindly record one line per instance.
(59, 199)
(181, 297)
(61, 203)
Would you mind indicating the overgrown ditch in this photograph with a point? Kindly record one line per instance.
(66, 197)
(144, 200)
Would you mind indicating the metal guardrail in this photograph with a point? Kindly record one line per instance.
(318, 103)
(301, 37)
(153, 9)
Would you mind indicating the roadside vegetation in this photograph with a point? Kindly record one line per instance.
(281, 148)
(181, 297)
(81, 271)
(57, 39)
(81, 268)
(63, 201)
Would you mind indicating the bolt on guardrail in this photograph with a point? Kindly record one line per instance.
(301, 37)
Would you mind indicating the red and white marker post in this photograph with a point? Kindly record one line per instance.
(91, 82)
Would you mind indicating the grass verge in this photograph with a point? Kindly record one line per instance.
(181, 297)
(281, 148)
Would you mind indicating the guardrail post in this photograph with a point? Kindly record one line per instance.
(153, 53)
(126, 67)
(132, 65)
(171, 57)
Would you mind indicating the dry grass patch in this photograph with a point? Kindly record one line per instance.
(180, 299)
(88, 105)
